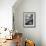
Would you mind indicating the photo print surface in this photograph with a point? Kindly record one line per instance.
(29, 19)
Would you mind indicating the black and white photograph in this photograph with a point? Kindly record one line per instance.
(29, 19)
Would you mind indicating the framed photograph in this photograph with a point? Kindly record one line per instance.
(29, 19)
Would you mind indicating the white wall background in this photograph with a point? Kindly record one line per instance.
(43, 22)
(37, 34)
(28, 6)
(6, 13)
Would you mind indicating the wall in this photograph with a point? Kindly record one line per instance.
(43, 22)
(6, 13)
(28, 6)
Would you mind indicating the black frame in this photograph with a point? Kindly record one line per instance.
(26, 16)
